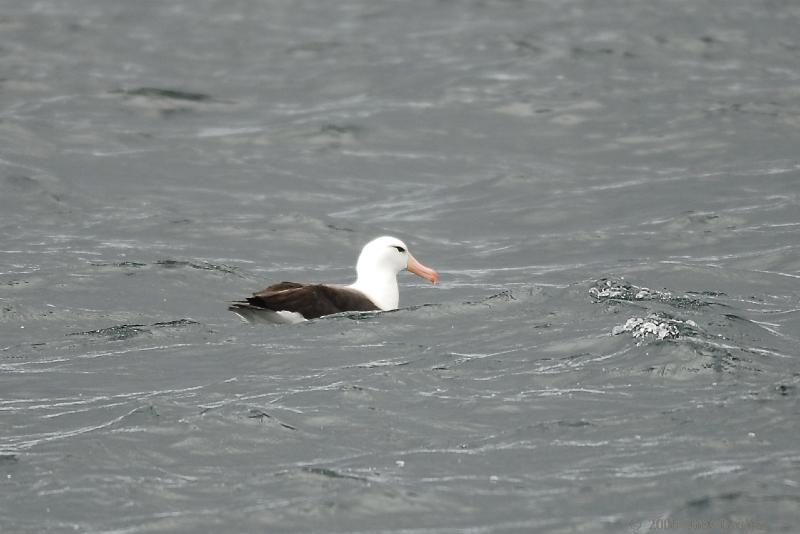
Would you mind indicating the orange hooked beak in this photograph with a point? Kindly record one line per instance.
(420, 270)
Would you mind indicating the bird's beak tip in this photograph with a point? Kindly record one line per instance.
(420, 270)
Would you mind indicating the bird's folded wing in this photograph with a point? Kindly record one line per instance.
(311, 300)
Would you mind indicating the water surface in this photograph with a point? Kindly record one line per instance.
(609, 191)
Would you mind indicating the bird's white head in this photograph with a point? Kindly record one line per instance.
(378, 264)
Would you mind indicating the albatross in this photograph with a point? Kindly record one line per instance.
(375, 288)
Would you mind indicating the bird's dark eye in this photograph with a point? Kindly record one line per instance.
(399, 249)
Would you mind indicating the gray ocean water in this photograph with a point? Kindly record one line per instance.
(609, 190)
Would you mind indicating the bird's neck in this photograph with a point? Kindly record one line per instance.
(380, 288)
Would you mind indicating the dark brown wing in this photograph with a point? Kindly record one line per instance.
(280, 286)
(311, 300)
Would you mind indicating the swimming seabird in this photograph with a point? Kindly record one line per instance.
(375, 288)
